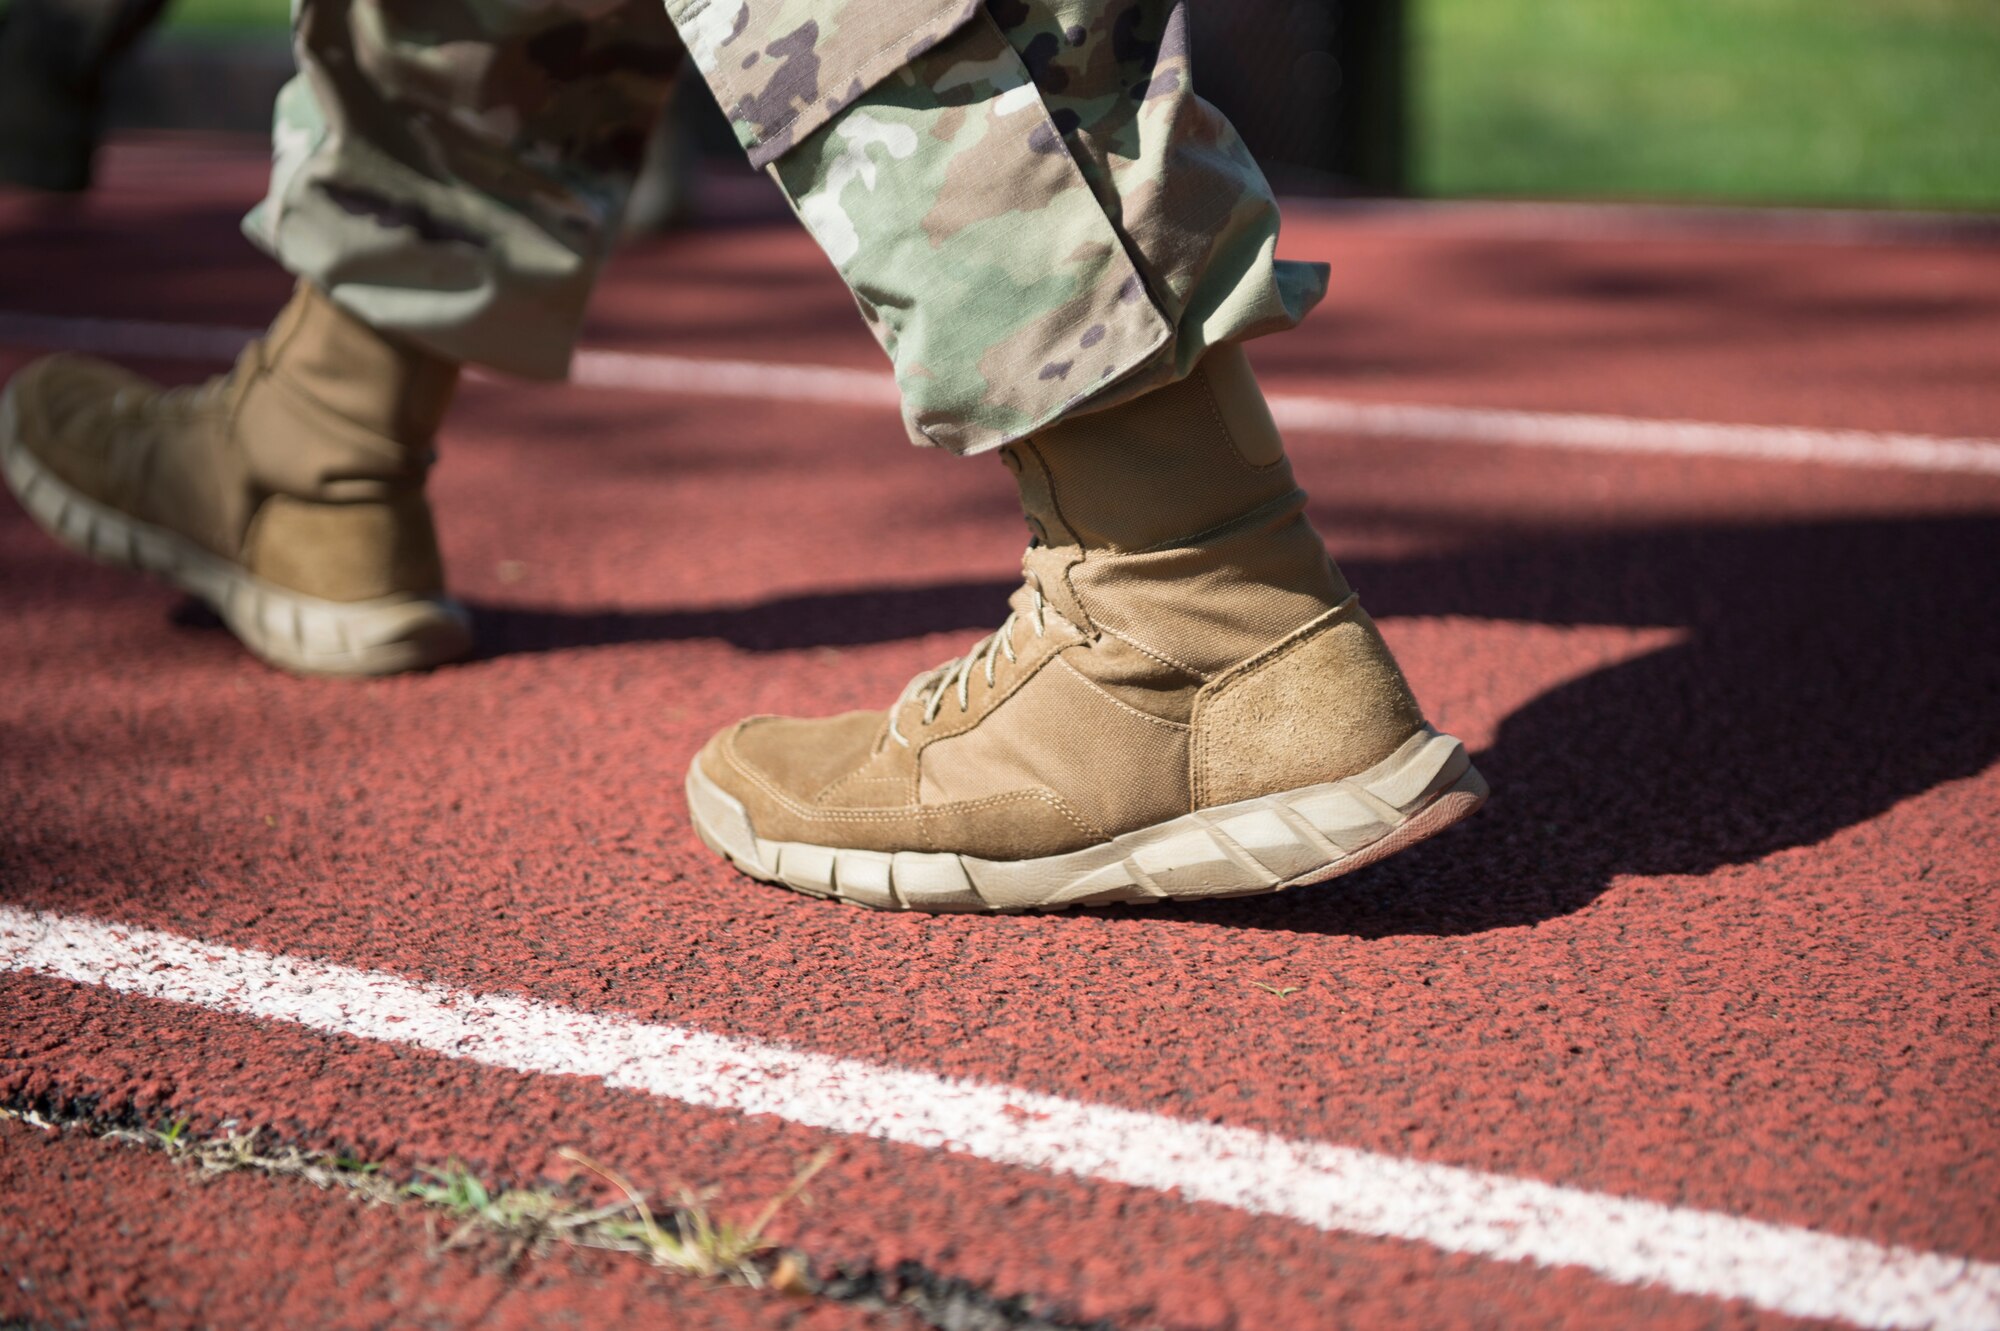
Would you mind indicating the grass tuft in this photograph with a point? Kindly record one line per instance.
(695, 1242)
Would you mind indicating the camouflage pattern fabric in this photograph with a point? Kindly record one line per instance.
(1035, 212)
(454, 170)
(781, 68)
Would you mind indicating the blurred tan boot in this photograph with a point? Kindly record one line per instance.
(288, 494)
(1187, 701)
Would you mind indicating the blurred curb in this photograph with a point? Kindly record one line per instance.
(200, 81)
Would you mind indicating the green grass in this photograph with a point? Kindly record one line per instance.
(229, 16)
(1892, 102)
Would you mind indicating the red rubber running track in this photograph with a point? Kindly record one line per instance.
(1722, 943)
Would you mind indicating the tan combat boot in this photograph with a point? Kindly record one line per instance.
(1187, 701)
(287, 494)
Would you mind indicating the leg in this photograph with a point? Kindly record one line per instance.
(445, 192)
(54, 56)
(454, 174)
(1062, 249)
(665, 194)
(1036, 214)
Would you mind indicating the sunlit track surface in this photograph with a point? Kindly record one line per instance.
(1778, 1268)
(1706, 993)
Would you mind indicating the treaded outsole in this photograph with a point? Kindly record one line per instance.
(1275, 842)
(300, 633)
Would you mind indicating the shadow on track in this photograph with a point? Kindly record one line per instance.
(790, 623)
(1830, 670)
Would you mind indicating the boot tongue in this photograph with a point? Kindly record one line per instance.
(1046, 568)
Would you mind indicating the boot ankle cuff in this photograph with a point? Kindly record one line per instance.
(296, 445)
(1184, 459)
(382, 384)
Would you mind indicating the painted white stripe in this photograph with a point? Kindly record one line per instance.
(1780, 1268)
(757, 380)
(733, 378)
(1627, 434)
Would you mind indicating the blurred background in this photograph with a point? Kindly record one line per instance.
(1879, 103)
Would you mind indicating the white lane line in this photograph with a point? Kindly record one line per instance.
(693, 377)
(1780, 1268)
(775, 381)
(1631, 434)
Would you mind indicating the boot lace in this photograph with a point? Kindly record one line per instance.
(955, 675)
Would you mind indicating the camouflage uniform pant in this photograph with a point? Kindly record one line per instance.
(1034, 211)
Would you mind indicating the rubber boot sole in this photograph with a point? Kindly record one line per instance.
(300, 633)
(1268, 844)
